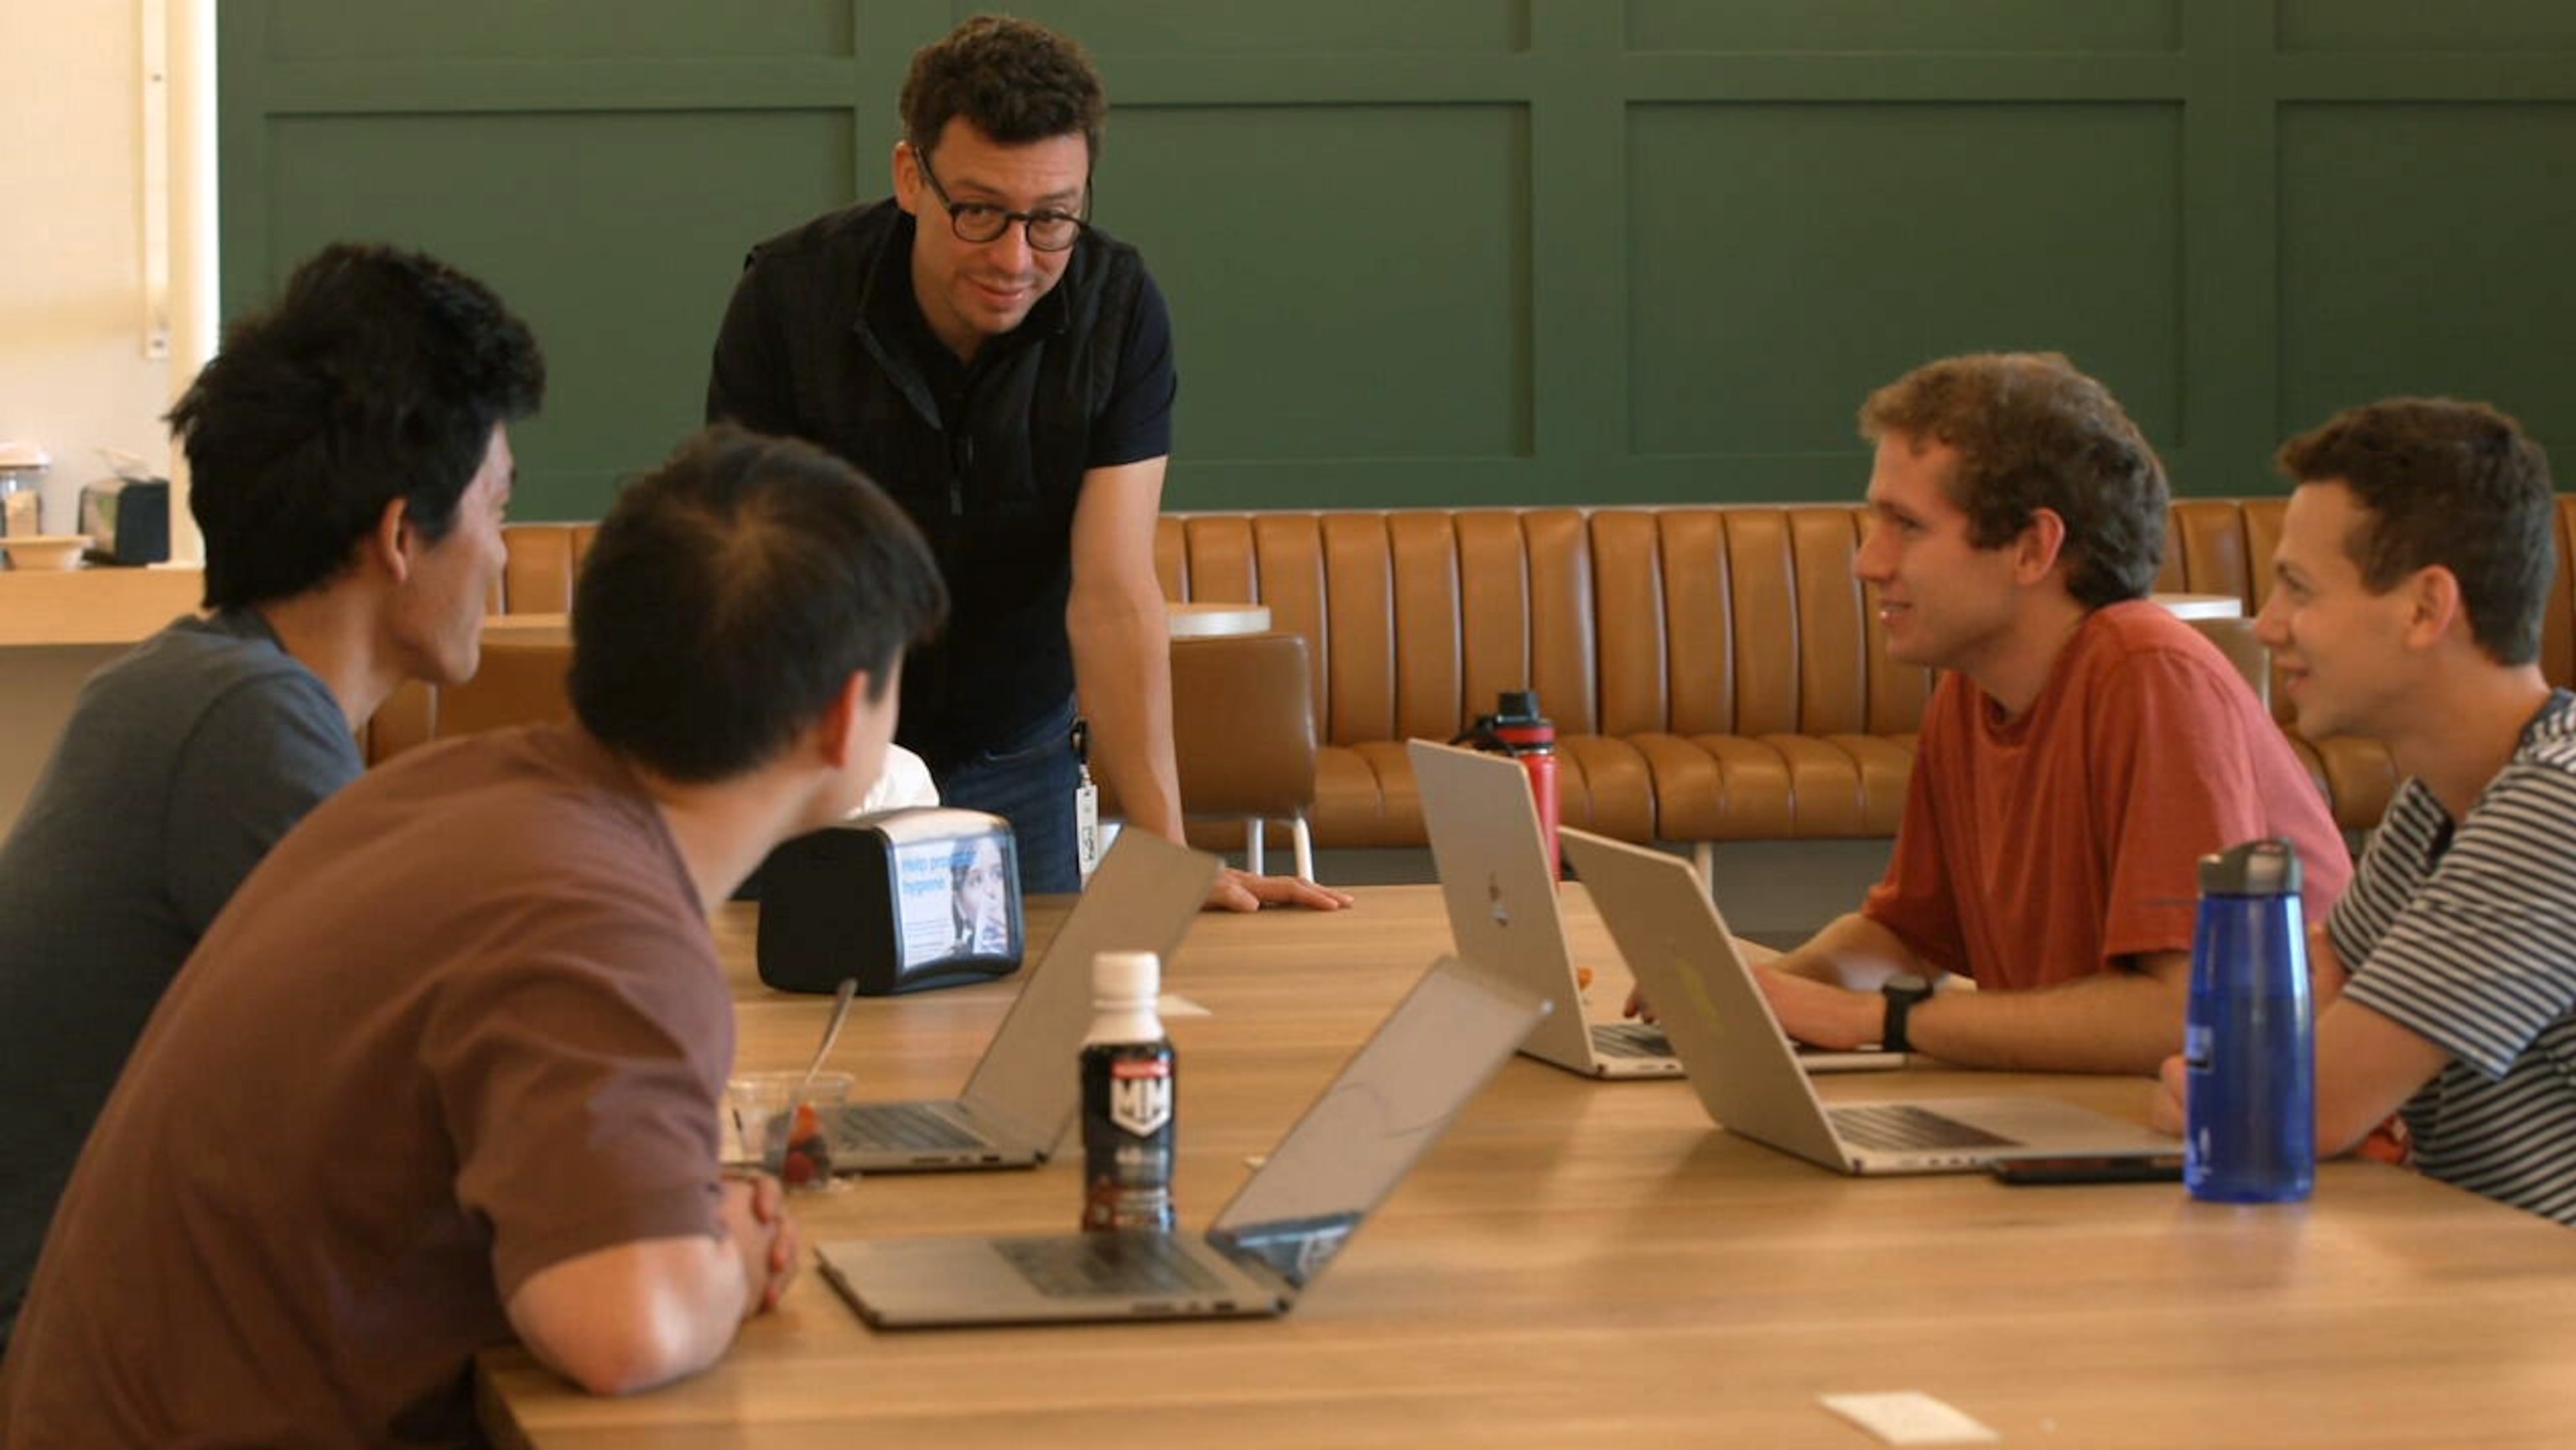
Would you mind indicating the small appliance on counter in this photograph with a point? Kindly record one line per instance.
(127, 518)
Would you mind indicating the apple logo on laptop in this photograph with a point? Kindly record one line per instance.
(1494, 901)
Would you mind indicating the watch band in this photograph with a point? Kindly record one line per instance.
(1900, 993)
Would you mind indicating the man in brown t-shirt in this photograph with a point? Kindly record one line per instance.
(447, 1069)
(2081, 751)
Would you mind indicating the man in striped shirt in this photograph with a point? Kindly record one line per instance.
(2412, 565)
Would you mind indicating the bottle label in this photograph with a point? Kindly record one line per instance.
(1128, 1094)
(1140, 1095)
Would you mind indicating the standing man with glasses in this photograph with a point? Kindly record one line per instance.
(1004, 369)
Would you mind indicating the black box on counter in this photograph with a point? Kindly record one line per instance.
(127, 520)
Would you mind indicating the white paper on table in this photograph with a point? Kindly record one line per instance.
(1910, 1417)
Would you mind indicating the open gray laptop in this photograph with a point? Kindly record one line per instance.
(1390, 1103)
(1503, 912)
(1741, 1065)
(1024, 1093)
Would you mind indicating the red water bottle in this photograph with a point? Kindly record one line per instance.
(1518, 730)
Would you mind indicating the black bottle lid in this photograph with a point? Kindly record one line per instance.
(2268, 867)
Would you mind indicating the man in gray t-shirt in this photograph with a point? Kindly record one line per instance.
(504, 943)
(351, 466)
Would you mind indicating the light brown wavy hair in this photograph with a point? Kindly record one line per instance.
(2033, 433)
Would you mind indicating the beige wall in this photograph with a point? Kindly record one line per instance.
(73, 376)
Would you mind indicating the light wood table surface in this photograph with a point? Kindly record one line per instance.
(1582, 1263)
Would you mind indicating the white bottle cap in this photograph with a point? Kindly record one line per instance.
(1119, 976)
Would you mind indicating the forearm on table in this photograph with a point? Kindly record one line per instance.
(2117, 1021)
(2367, 1066)
(1122, 673)
(635, 1315)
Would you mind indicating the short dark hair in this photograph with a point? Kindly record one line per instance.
(729, 596)
(2449, 484)
(1014, 80)
(2034, 433)
(380, 375)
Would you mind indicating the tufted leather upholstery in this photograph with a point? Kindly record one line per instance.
(517, 683)
(1714, 672)
(1243, 742)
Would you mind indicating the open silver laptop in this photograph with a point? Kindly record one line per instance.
(1741, 1065)
(1503, 912)
(1389, 1104)
(1024, 1093)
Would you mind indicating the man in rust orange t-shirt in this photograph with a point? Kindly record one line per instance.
(2081, 751)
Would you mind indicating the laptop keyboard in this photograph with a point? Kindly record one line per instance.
(1898, 1127)
(1094, 1264)
(901, 1127)
(1630, 1039)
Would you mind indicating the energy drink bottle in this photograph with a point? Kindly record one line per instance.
(1129, 1083)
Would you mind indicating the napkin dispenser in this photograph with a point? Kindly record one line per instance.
(902, 900)
(127, 520)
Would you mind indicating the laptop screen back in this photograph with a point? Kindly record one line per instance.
(1142, 898)
(1493, 867)
(1390, 1103)
(1742, 1065)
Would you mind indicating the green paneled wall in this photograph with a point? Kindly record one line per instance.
(1916, 235)
(1442, 251)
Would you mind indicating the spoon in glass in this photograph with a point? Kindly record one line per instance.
(808, 1159)
(831, 1033)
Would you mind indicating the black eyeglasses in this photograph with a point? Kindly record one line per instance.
(978, 221)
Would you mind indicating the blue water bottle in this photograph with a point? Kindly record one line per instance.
(2251, 1120)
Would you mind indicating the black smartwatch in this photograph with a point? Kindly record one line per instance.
(1902, 991)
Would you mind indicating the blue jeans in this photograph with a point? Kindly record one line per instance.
(1029, 782)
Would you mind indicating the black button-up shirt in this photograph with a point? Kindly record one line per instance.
(825, 341)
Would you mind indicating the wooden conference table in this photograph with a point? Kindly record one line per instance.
(1582, 1262)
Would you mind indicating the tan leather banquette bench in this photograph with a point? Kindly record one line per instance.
(1715, 673)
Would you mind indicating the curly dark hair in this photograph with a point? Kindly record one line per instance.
(2444, 484)
(2033, 433)
(731, 593)
(1014, 80)
(380, 375)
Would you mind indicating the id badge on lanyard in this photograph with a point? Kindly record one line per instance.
(1086, 803)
